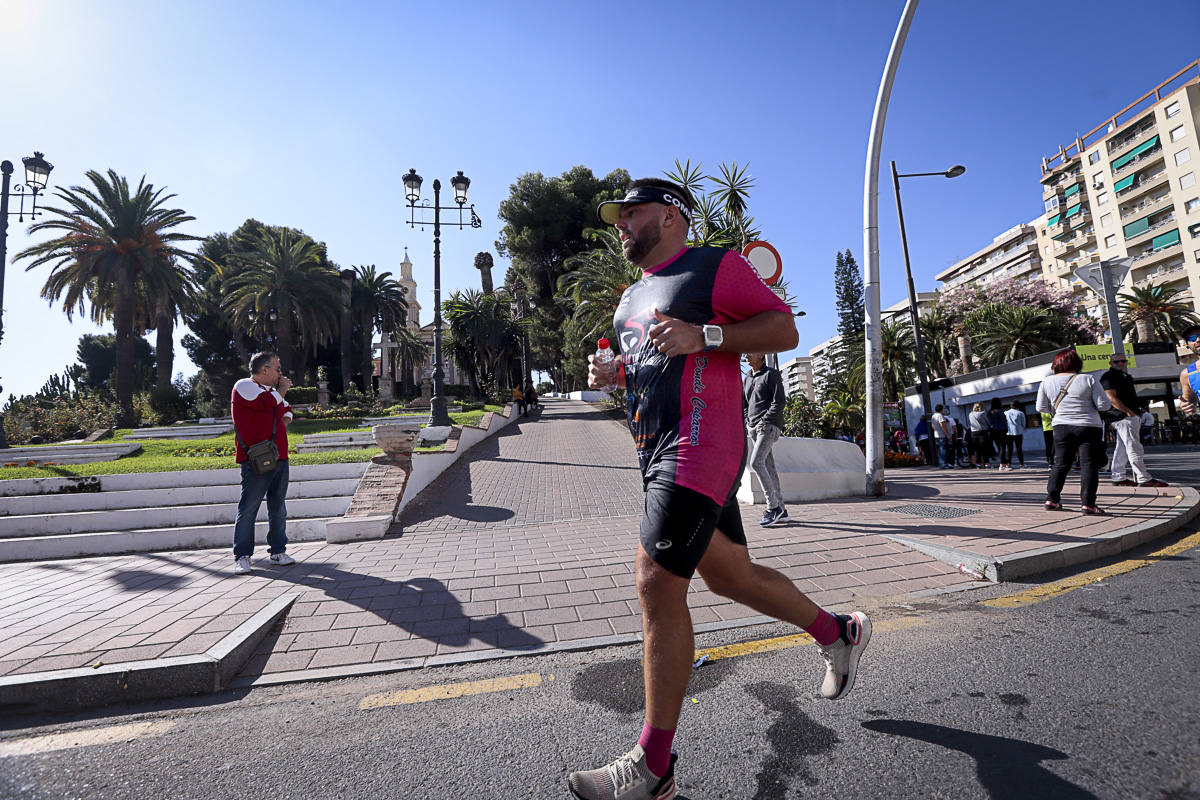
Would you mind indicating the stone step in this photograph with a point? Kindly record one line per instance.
(68, 454)
(350, 440)
(162, 480)
(148, 540)
(164, 498)
(56, 524)
(180, 432)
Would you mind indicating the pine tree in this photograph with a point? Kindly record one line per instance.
(848, 288)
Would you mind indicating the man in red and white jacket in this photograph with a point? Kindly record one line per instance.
(258, 406)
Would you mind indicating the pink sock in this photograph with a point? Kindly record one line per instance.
(657, 744)
(824, 628)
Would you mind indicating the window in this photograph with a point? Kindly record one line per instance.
(1052, 203)
(1098, 179)
(1102, 198)
(1110, 240)
(1105, 219)
(1093, 157)
(1173, 109)
(1177, 134)
(1187, 181)
(1192, 205)
(1182, 157)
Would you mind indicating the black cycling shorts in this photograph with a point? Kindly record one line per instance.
(679, 523)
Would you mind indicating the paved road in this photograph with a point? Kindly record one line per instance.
(1089, 694)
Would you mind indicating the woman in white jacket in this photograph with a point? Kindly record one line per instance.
(1076, 402)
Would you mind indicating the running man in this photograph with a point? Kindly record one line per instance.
(1189, 376)
(681, 328)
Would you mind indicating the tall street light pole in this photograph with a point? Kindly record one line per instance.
(37, 173)
(922, 374)
(438, 416)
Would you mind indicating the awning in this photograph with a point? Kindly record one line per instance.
(1072, 190)
(1139, 226)
(1135, 152)
(1073, 210)
(1165, 240)
(1060, 236)
(1124, 183)
(1054, 220)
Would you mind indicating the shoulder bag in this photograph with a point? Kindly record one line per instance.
(264, 455)
(1063, 393)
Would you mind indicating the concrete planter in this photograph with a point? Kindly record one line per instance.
(810, 469)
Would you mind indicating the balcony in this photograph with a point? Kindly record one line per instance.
(1145, 153)
(1152, 254)
(1145, 205)
(1166, 272)
(1157, 225)
(1075, 242)
(1131, 138)
(1082, 216)
(1144, 183)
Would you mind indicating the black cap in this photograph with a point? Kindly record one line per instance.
(610, 211)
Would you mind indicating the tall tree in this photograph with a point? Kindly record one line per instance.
(112, 239)
(595, 283)
(1155, 313)
(484, 336)
(720, 204)
(1002, 333)
(848, 290)
(378, 303)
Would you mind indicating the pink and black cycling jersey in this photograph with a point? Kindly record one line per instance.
(685, 412)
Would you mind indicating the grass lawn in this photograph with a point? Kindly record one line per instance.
(173, 455)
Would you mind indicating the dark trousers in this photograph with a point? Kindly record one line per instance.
(1016, 444)
(1000, 443)
(1089, 444)
(1048, 438)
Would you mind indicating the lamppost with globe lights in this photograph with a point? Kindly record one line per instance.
(520, 291)
(438, 417)
(37, 173)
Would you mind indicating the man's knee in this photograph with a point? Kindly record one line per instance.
(655, 583)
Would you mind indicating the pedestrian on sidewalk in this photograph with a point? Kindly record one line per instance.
(682, 326)
(998, 427)
(518, 397)
(765, 399)
(260, 412)
(1048, 437)
(1016, 432)
(1118, 385)
(979, 437)
(1189, 376)
(941, 436)
(1076, 401)
(531, 396)
(923, 441)
(1147, 425)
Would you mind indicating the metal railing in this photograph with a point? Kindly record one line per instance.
(1140, 185)
(1149, 201)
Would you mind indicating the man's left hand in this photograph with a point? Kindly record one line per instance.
(674, 337)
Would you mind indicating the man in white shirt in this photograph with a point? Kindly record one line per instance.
(941, 436)
(1015, 418)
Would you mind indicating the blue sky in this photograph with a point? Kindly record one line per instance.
(308, 113)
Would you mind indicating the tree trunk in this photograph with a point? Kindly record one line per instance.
(164, 351)
(368, 328)
(286, 348)
(965, 354)
(1145, 329)
(123, 322)
(346, 363)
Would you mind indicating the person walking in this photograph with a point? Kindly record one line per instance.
(518, 398)
(923, 441)
(1048, 437)
(978, 437)
(1189, 376)
(260, 413)
(1075, 401)
(682, 327)
(941, 436)
(998, 425)
(1127, 450)
(1016, 432)
(1147, 426)
(764, 402)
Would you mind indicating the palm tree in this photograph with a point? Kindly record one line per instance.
(846, 410)
(378, 300)
(1156, 313)
(113, 241)
(937, 328)
(719, 219)
(897, 354)
(411, 349)
(1003, 333)
(484, 335)
(595, 283)
(285, 294)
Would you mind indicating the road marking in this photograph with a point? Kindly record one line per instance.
(83, 738)
(450, 690)
(795, 640)
(1048, 591)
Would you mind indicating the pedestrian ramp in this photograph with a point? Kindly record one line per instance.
(51, 518)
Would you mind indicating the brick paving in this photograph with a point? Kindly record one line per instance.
(526, 542)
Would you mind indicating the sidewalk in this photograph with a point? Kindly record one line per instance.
(526, 545)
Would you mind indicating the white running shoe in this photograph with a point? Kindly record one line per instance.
(841, 657)
(627, 778)
(241, 566)
(282, 559)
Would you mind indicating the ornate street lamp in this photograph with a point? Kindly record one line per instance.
(438, 417)
(37, 174)
(520, 292)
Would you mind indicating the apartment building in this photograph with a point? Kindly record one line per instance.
(798, 377)
(1128, 188)
(1013, 255)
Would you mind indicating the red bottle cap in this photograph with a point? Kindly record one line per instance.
(602, 344)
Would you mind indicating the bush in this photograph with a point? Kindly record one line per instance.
(59, 419)
(302, 395)
(802, 417)
(892, 459)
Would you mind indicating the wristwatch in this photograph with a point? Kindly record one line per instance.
(713, 336)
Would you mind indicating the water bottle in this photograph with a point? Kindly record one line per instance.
(605, 355)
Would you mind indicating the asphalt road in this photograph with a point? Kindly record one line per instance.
(1089, 694)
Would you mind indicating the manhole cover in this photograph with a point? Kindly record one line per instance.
(932, 510)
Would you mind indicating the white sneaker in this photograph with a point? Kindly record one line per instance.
(841, 657)
(281, 559)
(242, 565)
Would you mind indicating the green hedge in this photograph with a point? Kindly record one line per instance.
(302, 395)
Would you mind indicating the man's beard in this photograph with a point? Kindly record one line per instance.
(637, 248)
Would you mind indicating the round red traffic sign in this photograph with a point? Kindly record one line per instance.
(766, 260)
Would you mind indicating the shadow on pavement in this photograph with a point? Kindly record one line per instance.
(1006, 767)
(450, 494)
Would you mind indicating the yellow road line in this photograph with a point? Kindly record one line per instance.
(451, 690)
(1040, 594)
(795, 640)
(82, 738)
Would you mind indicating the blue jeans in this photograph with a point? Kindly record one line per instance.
(943, 446)
(273, 486)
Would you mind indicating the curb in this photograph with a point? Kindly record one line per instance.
(87, 687)
(1057, 556)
